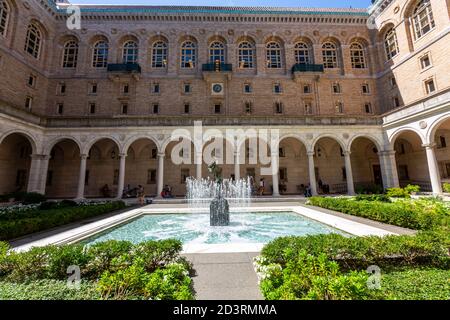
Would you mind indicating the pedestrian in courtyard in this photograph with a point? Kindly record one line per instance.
(262, 186)
(141, 195)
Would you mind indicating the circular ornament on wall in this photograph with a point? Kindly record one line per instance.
(396, 9)
(423, 124)
(345, 136)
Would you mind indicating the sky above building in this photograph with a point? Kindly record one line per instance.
(247, 3)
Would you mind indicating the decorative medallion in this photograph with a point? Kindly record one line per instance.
(309, 136)
(122, 137)
(113, 31)
(397, 9)
(345, 136)
(316, 33)
(423, 124)
(231, 32)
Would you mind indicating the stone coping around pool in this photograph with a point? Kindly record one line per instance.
(342, 222)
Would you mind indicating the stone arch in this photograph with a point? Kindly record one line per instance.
(68, 36)
(133, 139)
(375, 141)
(29, 137)
(49, 145)
(435, 125)
(99, 36)
(399, 131)
(88, 145)
(327, 135)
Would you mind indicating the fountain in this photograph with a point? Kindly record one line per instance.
(218, 194)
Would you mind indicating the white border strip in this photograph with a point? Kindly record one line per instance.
(86, 231)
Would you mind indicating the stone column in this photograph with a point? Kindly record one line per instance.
(237, 166)
(389, 169)
(199, 164)
(349, 173)
(82, 176)
(275, 172)
(121, 182)
(433, 168)
(43, 173)
(312, 173)
(160, 174)
(33, 178)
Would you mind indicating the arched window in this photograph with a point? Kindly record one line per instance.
(33, 41)
(100, 57)
(188, 54)
(423, 18)
(130, 52)
(330, 56)
(217, 52)
(246, 54)
(273, 55)
(70, 55)
(159, 54)
(302, 53)
(391, 44)
(357, 56)
(4, 16)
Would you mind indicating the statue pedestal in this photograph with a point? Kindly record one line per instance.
(219, 212)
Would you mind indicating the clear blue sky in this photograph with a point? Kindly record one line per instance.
(278, 3)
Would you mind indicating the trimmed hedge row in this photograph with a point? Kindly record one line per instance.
(17, 225)
(360, 252)
(424, 214)
(115, 269)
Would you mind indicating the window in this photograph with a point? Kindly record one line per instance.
(283, 175)
(124, 108)
(28, 102)
(273, 55)
(188, 54)
(344, 174)
(217, 108)
(246, 53)
(70, 54)
(32, 81)
(154, 154)
(277, 88)
(365, 88)
(425, 61)
(155, 108)
(49, 181)
(151, 176)
(247, 88)
(281, 152)
(184, 175)
(336, 88)
(403, 173)
(423, 18)
(301, 52)
(4, 17)
(430, 86)
(86, 178)
(248, 107)
(130, 52)
(368, 107)
(100, 57)
(357, 56)
(278, 107)
(126, 88)
(187, 88)
(339, 107)
(393, 82)
(391, 44)
(93, 88)
(308, 108)
(217, 52)
(33, 41)
(159, 54)
(62, 88)
(329, 54)
(116, 177)
(156, 89)
(92, 108)
(442, 142)
(396, 102)
(187, 108)
(21, 178)
(306, 88)
(60, 108)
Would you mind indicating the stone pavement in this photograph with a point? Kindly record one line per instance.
(225, 276)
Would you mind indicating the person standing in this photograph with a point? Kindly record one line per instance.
(262, 186)
(141, 195)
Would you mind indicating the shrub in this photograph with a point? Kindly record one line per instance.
(410, 189)
(446, 187)
(373, 197)
(33, 197)
(397, 193)
(47, 290)
(314, 278)
(423, 214)
(31, 220)
(157, 254)
(47, 205)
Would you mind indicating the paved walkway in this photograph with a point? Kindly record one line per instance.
(225, 276)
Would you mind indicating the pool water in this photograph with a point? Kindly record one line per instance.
(195, 229)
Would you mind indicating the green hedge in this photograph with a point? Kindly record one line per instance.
(424, 214)
(116, 269)
(14, 225)
(361, 252)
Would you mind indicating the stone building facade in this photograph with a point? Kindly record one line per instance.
(359, 97)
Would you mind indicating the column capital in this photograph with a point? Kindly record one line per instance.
(387, 152)
(431, 145)
(347, 153)
(310, 153)
(161, 154)
(36, 156)
(84, 156)
(123, 155)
